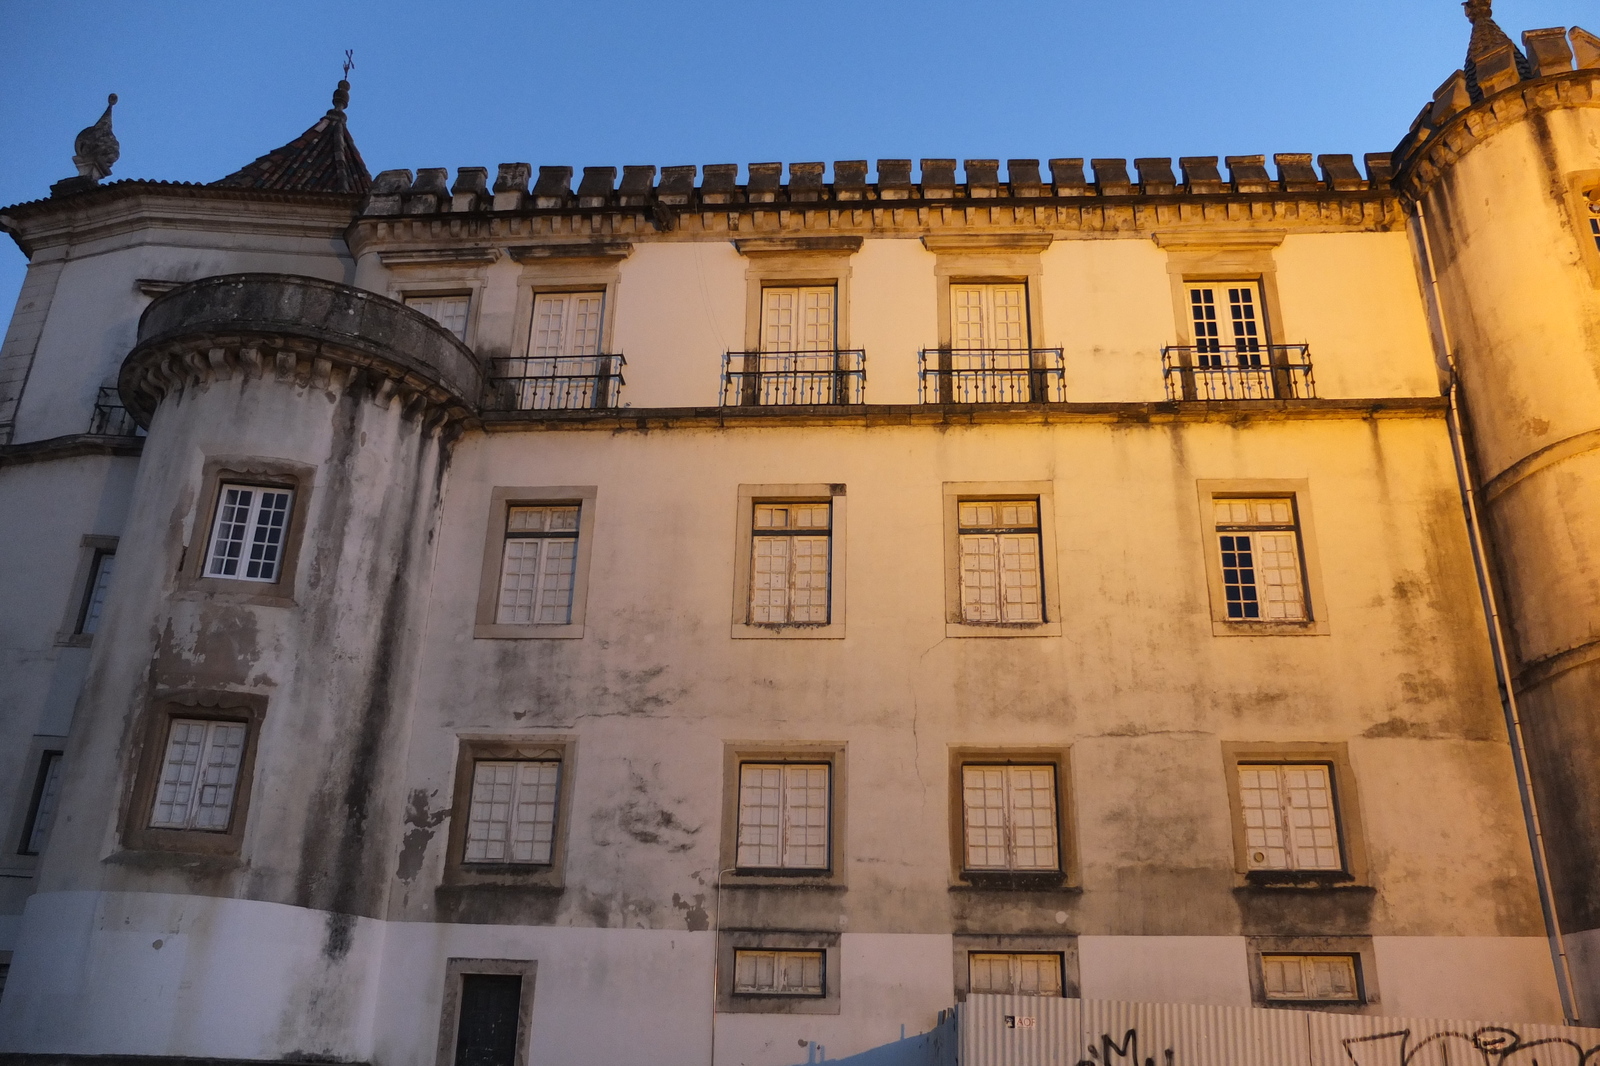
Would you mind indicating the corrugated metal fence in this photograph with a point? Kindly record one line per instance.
(1032, 1031)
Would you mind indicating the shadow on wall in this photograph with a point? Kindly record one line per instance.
(936, 1047)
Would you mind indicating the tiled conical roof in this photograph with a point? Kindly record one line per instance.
(1487, 36)
(322, 159)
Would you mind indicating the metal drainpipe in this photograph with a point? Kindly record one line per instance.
(1495, 626)
(716, 962)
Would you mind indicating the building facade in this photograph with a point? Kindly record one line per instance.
(498, 621)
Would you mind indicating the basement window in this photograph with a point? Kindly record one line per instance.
(1014, 973)
(1311, 978)
(779, 973)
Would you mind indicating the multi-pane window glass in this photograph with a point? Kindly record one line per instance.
(199, 775)
(1262, 577)
(1290, 822)
(94, 597)
(247, 539)
(513, 811)
(449, 311)
(1014, 973)
(538, 565)
(789, 563)
(1009, 815)
(1310, 978)
(778, 973)
(1594, 229)
(783, 816)
(989, 317)
(797, 318)
(1000, 564)
(46, 791)
(1227, 319)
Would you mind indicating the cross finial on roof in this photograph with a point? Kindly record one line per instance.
(341, 95)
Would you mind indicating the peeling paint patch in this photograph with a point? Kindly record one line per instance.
(422, 823)
(694, 914)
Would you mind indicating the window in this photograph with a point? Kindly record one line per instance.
(199, 775)
(534, 580)
(94, 596)
(511, 802)
(487, 1010)
(798, 359)
(42, 810)
(783, 816)
(1009, 818)
(989, 317)
(1594, 226)
(537, 566)
(449, 311)
(798, 318)
(247, 536)
(790, 563)
(512, 818)
(1260, 551)
(565, 367)
(1000, 561)
(1227, 321)
(1290, 821)
(1311, 978)
(1014, 973)
(779, 973)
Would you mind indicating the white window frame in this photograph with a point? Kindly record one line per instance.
(753, 820)
(745, 577)
(1263, 578)
(554, 572)
(94, 594)
(172, 782)
(779, 578)
(746, 960)
(496, 534)
(736, 755)
(1279, 809)
(1010, 775)
(1335, 758)
(987, 298)
(224, 514)
(956, 622)
(431, 304)
(482, 823)
(1307, 965)
(997, 535)
(800, 322)
(1316, 622)
(1017, 963)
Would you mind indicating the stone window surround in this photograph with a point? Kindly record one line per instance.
(1225, 255)
(450, 1004)
(501, 500)
(744, 544)
(1062, 944)
(731, 940)
(150, 757)
(983, 258)
(472, 747)
(1359, 946)
(192, 583)
(1583, 195)
(90, 549)
(1044, 492)
(402, 289)
(561, 274)
(1310, 561)
(1068, 876)
(1347, 806)
(774, 262)
(735, 754)
(24, 802)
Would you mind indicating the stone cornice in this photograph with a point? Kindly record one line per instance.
(1442, 146)
(71, 446)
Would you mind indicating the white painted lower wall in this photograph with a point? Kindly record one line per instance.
(244, 979)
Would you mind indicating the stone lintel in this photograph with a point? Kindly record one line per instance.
(538, 253)
(798, 245)
(987, 242)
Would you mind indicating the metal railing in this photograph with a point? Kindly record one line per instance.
(110, 418)
(555, 383)
(1238, 372)
(970, 375)
(780, 379)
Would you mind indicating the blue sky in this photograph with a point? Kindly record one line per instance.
(206, 87)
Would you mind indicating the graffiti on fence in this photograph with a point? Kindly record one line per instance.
(1125, 1052)
(1489, 1046)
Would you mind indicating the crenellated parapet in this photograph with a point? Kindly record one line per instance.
(306, 331)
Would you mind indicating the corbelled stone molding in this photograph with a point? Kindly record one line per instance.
(304, 331)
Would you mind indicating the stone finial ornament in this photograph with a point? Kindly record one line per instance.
(96, 147)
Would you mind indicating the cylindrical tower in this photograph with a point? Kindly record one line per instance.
(234, 774)
(1505, 165)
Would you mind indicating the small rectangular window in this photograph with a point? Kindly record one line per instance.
(790, 563)
(247, 537)
(42, 811)
(783, 816)
(1290, 816)
(1228, 327)
(199, 775)
(989, 317)
(1262, 571)
(1311, 978)
(778, 973)
(1009, 818)
(1000, 561)
(1014, 973)
(449, 311)
(538, 564)
(94, 596)
(513, 815)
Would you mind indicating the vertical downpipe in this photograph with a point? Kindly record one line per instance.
(1502, 664)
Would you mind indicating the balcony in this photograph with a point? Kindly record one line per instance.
(1238, 372)
(110, 417)
(834, 376)
(970, 375)
(551, 383)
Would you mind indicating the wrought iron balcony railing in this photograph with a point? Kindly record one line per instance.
(969, 375)
(110, 418)
(782, 379)
(564, 383)
(1238, 372)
